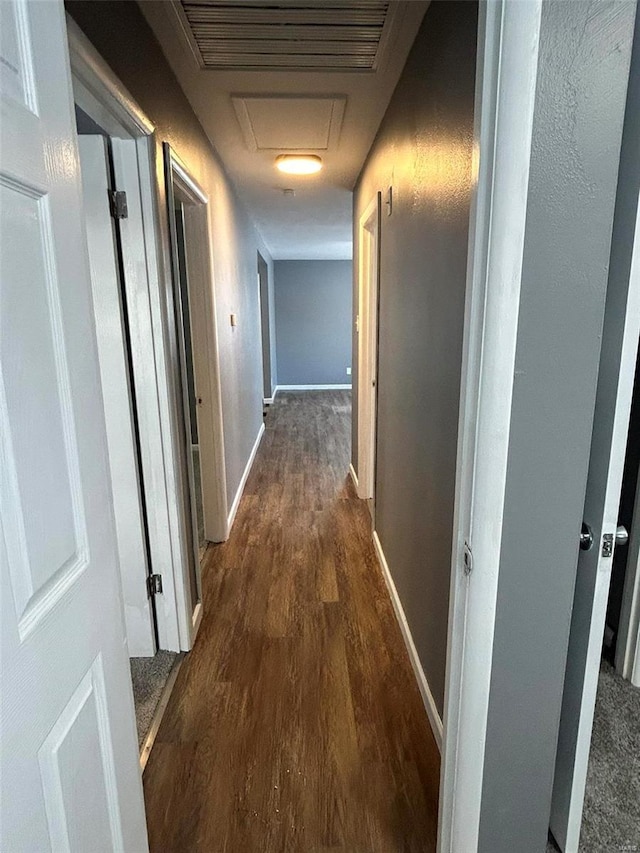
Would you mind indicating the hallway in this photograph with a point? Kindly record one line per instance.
(296, 723)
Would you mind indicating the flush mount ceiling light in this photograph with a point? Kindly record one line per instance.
(299, 164)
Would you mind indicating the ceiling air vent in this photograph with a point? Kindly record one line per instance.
(288, 35)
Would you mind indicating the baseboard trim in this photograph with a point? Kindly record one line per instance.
(243, 481)
(423, 684)
(354, 476)
(313, 388)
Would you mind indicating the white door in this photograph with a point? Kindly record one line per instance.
(368, 350)
(116, 392)
(611, 424)
(70, 775)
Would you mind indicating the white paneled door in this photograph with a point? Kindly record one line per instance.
(70, 777)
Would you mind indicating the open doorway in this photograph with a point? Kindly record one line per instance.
(597, 790)
(153, 668)
(596, 794)
(367, 329)
(265, 330)
(196, 370)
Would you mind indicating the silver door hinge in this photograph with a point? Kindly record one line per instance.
(118, 204)
(467, 559)
(154, 584)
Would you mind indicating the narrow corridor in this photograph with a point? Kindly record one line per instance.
(296, 723)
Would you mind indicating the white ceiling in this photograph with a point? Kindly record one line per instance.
(252, 115)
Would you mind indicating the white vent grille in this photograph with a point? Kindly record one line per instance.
(301, 35)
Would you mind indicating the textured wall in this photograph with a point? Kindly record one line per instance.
(123, 38)
(313, 322)
(423, 150)
(579, 108)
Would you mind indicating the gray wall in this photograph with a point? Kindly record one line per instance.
(313, 322)
(580, 95)
(423, 149)
(120, 33)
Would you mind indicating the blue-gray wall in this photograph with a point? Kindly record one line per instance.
(423, 150)
(313, 322)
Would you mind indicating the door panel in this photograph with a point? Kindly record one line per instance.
(609, 438)
(70, 777)
(116, 392)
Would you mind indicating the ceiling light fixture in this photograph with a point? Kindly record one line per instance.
(299, 164)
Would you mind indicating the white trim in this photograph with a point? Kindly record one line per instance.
(96, 87)
(188, 184)
(353, 475)
(421, 678)
(311, 388)
(267, 401)
(508, 41)
(366, 326)
(243, 481)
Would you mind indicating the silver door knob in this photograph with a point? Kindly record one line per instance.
(622, 536)
(586, 537)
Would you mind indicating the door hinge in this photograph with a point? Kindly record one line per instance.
(118, 204)
(154, 584)
(467, 559)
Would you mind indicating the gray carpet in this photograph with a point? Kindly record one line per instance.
(149, 676)
(611, 817)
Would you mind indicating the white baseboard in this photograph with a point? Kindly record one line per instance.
(313, 388)
(354, 476)
(243, 481)
(423, 685)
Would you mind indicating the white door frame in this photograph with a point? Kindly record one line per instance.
(367, 330)
(103, 97)
(508, 40)
(199, 264)
(206, 362)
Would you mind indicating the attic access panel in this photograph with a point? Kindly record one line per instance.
(288, 35)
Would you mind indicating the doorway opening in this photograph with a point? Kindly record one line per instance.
(612, 793)
(367, 330)
(597, 802)
(596, 793)
(103, 159)
(266, 309)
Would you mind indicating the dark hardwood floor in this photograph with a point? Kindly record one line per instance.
(296, 723)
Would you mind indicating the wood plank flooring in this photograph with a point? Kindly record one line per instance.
(296, 723)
